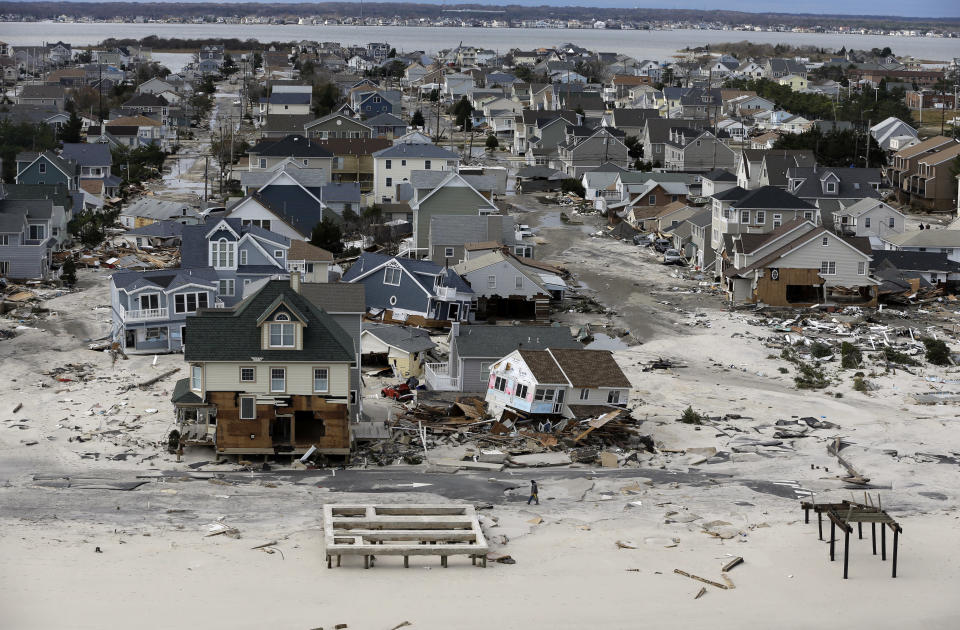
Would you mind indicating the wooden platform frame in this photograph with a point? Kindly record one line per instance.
(846, 512)
(402, 530)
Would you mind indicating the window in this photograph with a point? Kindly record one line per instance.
(892, 222)
(426, 164)
(862, 268)
(518, 282)
(43, 167)
(388, 164)
(226, 287)
(281, 335)
(521, 391)
(278, 253)
(353, 396)
(448, 252)
(808, 216)
(37, 232)
(652, 200)
(321, 379)
(744, 216)
(828, 268)
(500, 384)
(866, 222)
(222, 253)
(831, 187)
(777, 221)
(149, 301)
(248, 375)
(389, 182)
(544, 395)
(189, 302)
(491, 282)
(613, 397)
(278, 379)
(263, 163)
(403, 162)
(825, 242)
(243, 257)
(391, 275)
(584, 394)
(248, 408)
(196, 377)
(761, 217)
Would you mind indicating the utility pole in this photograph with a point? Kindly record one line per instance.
(206, 165)
(866, 157)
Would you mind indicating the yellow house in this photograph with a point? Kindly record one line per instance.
(795, 82)
(400, 347)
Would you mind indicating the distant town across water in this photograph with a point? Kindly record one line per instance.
(659, 44)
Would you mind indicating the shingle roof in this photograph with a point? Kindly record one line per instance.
(164, 278)
(289, 98)
(590, 368)
(916, 261)
(42, 91)
(405, 150)
(87, 154)
(385, 120)
(720, 175)
(294, 145)
(401, 337)
(233, 334)
(336, 297)
(418, 268)
(493, 342)
(293, 204)
(182, 393)
(289, 123)
(854, 183)
(458, 230)
(161, 229)
(544, 367)
(770, 197)
(302, 250)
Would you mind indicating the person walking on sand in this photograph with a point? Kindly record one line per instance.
(533, 493)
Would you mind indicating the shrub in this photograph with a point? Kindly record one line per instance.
(937, 351)
(850, 356)
(492, 142)
(859, 385)
(783, 370)
(809, 377)
(689, 416)
(895, 356)
(819, 350)
(69, 272)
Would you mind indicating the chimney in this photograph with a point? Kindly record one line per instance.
(295, 281)
(455, 329)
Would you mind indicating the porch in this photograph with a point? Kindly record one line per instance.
(439, 378)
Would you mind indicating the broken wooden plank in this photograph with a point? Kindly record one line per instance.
(732, 563)
(701, 579)
(701, 592)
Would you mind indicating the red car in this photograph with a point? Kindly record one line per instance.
(397, 392)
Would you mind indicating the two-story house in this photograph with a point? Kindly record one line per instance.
(758, 211)
(337, 125)
(26, 239)
(394, 165)
(602, 146)
(387, 125)
(353, 159)
(269, 153)
(47, 168)
(404, 288)
(270, 377)
(95, 162)
(555, 382)
(437, 193)
(49, 95)
(696, 150)
(868, 217)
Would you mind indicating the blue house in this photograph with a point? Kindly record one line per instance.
(47, 168)
(150, 308)
(374, 104)
(26, 238)
(407, 287)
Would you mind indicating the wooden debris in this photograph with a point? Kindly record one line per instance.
(701, 592)
(732, 563)
(18, 407)
(704, 580)
(149, 382)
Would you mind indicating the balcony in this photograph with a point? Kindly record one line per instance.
(446, 293)
(439, 379)
(143, 315)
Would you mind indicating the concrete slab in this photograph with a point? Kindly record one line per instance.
(541, 459)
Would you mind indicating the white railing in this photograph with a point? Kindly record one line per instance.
(439, 379)
(143, 314)
(447, 293)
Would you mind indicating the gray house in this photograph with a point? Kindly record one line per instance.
(346, 304)
(150, 308)
(26, 239)
(449, 234)
(446, 193)
(473, 349)
(408, 287)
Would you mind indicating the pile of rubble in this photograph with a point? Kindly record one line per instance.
(120, 257)
(610, 439)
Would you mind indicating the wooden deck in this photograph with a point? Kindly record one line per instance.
(402, 530)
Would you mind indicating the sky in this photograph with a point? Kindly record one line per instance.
(913, 8)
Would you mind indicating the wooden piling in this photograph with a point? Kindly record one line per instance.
(329, 563)
(883, 542)
(846, 552)
(833, 529)
(406, 562)
(366, 562)
(820, 523)
(873, 537)
(896, 535)
(860, 530)
(338, 559)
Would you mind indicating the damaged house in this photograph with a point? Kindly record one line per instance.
(269, 376)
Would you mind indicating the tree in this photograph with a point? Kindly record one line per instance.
(71, 131)
(492, 142)
(68, 273)
(85, 56)
(634, 148)
(327, 235)
(462, 111)
(257, 60)
(392, 53)
(573, 185)
(350, 218)
(417, 119)
(326, 96)
(17, 137)
(434, 95)
(90, 227)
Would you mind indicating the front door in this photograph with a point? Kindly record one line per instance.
(558, 401)
(280, 430)
(454, 313)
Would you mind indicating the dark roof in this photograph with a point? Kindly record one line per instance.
(633, 117)
(288, 98)
(293, 204)
(658, 129)
(491, 342)
(402, 337)
(42, 91)
(289, 123)
(854, 183)
(583, 100)
(146, 99)
(336, 297)
(536, 116)
(385, 120)
(771, 197)
(162, 229)
(88, 154)
(233, 334)
(194, 250)
(720, 175)
(57, 193)
(417, 268)
(916, 261)
(294, 145)
(182, 394)
(543, 366)
(355, 146)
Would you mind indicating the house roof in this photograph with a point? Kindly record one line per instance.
(543, 366)
(860, 244)
(923, 147)
(288, 98)
(160, 229)
(42, 91)
(632, 117)
(302, 250)
(769, 197)
(355, 146)
(401, 337)
(289, 123)
(194, 253)
(133, 121)
(385, 120)
(336, 297)
(419, 269)
(234, 335)
(293, 204)
(407, 150)
(493, 342)
(863, 205)
(720, 175)
(294, 145)
(183, 395)
(146, 99)
(152, 208)
(590, 368)
(854, 183)
(307, 177)
(164, 279)
(87, 154)
(925, 238)
(916, 261)
(458, 229)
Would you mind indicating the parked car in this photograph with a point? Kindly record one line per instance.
(662, 244)
(673, 257)
(397, 392)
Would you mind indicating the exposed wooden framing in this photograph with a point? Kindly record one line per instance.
(403, 530)
(846, 512)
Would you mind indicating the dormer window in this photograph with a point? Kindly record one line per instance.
(831, 187)
(282, 333)
(222, 254)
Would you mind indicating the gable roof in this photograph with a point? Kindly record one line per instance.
(419, 270)
(590, 368)
(769, 197)
(87, 154)
(294, 145)
(302, 250)
(233, 334)
(853, 183)
(494, 342)
(401, 337)
(410, 150)
(336, 297)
